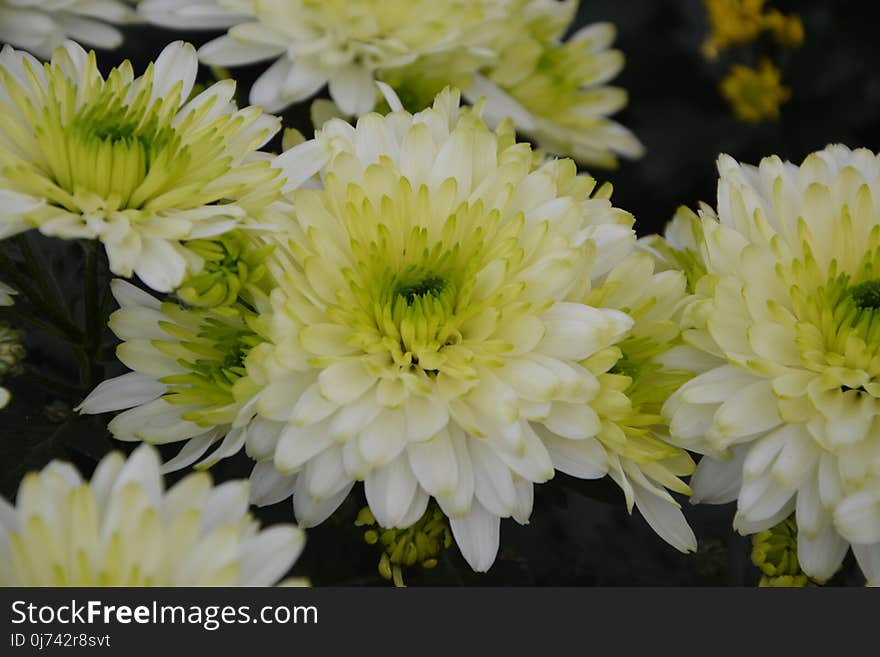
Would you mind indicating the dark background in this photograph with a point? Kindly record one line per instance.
(580, 533)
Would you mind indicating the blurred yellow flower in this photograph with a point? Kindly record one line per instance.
(732, 22)
(787, 31)
(737, 22)
(754, 94)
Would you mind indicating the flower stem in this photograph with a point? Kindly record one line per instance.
(44, 305)
(93, 371)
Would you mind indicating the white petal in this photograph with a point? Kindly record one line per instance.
(226, 51)
(159, 265)
(575, 331)
(666, 519)
(267, 90)
(525, 497)
(573, 421)
(821, 557)
(121, 392)
(416, 509)
(425, 416)
(269, 485)
(296, 445)
(270, 554)
(716, 481)
(176, 63)
(584, 459)
(127, 294)
(231, 445)
(226, 504)
(858, 517)
(459, 502)
(868, 557)
(301, 162)
(352, 89)
(390, 96)
(493, 481)
(344, 381)
(309, 511)
(390, 491)
(751, 410)
(434, 464)
(499, 105)
(477, 536)
(527, 456)
(191, 451)
(325, 474)
(142, 468)
(384, 438)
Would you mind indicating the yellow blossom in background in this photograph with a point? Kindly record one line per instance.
(754, 94)
(732, 23)
(737, 22)
(787, 31)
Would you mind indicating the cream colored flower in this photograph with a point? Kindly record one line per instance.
(788, 418)
(343, 43)
(128, 160)
(555, 91)
(188, 381)
(636, 376)
(42, 25)
(123, 529)
(429, 330)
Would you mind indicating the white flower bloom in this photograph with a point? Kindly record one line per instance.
(188, 380)
(428, 325)
(636, 376)
(343, 43)
(42, 25)
(123, 529)
(788, 418)
(129, 161)
(556, 91)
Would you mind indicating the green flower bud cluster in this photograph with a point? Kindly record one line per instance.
(232, 263)
(11, 355)
(420, 543)
(774, 552)
(12, 351)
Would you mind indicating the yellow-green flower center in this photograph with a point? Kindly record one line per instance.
(214, 354)
(416, 283)
(415, 287)
(108, 151)
(866, 295)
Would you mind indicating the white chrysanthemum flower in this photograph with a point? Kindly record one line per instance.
(129, 161)
(428, 326)
(556, 91)
(789, 418)
(343, 43)
(122, 529)
(188, 381)
(636, 376)
(42, 25)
